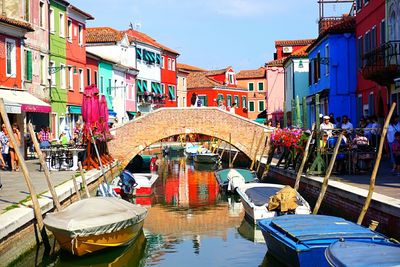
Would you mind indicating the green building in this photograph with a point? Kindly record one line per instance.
(58, 64)
(105, 83)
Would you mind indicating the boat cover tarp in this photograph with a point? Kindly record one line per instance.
(357, 253)
(284, 200)
(260, 195)
(95, 216)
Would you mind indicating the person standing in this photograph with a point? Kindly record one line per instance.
(193, 100)
(5, 146)
(44, 137)
(396, 152)
(13, 154)
(326, 125)
(221, 104)
(233, 108)
(393, 128)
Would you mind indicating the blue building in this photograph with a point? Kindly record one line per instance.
(332, 71)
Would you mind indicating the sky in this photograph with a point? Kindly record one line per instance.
(214, 34)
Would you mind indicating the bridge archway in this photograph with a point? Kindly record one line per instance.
(134, 136)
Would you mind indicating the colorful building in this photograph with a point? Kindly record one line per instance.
(58, 65)
(78, 73)
(169, 75)
(211, 86)
(372, 98)
(105, 85)
(256, 83)
(296, 83)
(183, 71)
(332, 75)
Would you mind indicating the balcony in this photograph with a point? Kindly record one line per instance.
(382, 65)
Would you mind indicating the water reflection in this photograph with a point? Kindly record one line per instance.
(189, 224)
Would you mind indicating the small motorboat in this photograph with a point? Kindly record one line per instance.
(357, 253)
(301, 240)
(223, 176)
(262, 200)
(144, 183)
(191, 150)
(96, 223)
(206, 158)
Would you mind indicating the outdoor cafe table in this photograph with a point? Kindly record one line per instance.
(53, 157)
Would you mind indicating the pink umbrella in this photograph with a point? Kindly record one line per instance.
(104, 114)
(86, 106)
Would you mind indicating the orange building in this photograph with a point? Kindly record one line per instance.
(210, 86)
(256, 83)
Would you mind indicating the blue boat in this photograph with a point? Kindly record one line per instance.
(357, 254)
(301, 240)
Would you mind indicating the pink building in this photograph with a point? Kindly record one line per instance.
(130, 101)
(275, 88)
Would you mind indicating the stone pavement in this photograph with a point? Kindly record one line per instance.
(15, 189)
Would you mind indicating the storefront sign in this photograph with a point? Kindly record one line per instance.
(12, 109)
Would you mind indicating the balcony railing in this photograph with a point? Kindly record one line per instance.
(382, 64)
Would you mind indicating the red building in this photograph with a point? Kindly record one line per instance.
(78, 75)
(217, 84)
(169, 75)
(372, 98)
(285, 48)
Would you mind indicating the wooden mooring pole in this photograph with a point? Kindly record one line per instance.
(46, 171)
(376, 166)
(262, 153)
(36, 206)
(328, 174)
(304, 160)
(257, 148)
(78, 193)
(84, 179)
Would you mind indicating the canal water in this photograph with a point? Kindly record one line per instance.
(190, 223)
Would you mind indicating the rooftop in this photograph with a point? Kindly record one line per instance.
(189, 68)
(248, 74)
(293, 42)
(17, 23)
(103, 35)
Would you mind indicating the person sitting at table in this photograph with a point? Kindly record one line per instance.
(341, 156)
(44, 137)
(64, 139)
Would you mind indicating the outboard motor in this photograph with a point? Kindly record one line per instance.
(127, 183)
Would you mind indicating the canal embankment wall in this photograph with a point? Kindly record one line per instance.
(18, 232)
(344, 200)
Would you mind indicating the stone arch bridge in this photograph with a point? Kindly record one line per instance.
(134, 136)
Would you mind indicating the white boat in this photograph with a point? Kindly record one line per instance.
(145, 182)
(191, 150)
(256, 198)
(96, 223)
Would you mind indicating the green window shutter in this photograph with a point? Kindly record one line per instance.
(29, 65)
(159, 88)
(229, 100)
(236, 100)
(251, 86)
(260, 86)
(244, 102)
(158, 59)
(139, 54)
(144, 85)
(251, 106)
(261, 105)
(153, 87)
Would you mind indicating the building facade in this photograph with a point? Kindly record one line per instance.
(169, 76)
(256, 83)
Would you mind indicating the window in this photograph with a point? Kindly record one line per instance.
(62, 25)
(109, 87)
(220, 97)
(373, 38)
(261, 105)
(139, 54)
(163, 88)
(95, 78)
(204, 100)
(169, 64)
(162, 62)
(319, 65)
(101, 85)
(229, 100)
(26, 9)
(80, 35)
(52, 73)
(231, 79)
(327, 56)
(260, 86)
(42, 69)
(383, 32)
(11, 58)
(70, 78)
(367, 42)
(251, 105)
(81, 80)
(360, 52)
(251, 86)
(42, 13)
(28, 65)
(366, 2)
(69, 34)
(236, 100)
(63, 76)
(51, 15)
(371, 104)
(173, 64)
(244, 102)
(158, 59)
(88, 80)
(309, 73)
(171, 91)
(359, 4)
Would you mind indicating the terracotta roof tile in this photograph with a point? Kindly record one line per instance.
(275, 63)
(189, 68)
(217, 72)
(200, 80)
(248, 74)
(348, 25)
(301, 52)
(17, 23)
(293, 42)
(103, 35)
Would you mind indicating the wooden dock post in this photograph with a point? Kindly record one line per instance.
(328, 174)
(46, 171)
(303, 162)
(36, 206)
(78, 193)
(262, 153)
(257, 148)
(230, 151)
(84, 179)
(376, 166)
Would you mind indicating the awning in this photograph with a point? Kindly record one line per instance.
(139, 86)
(17, 101)
(260, 120)
(74, 109)
(171, 92)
